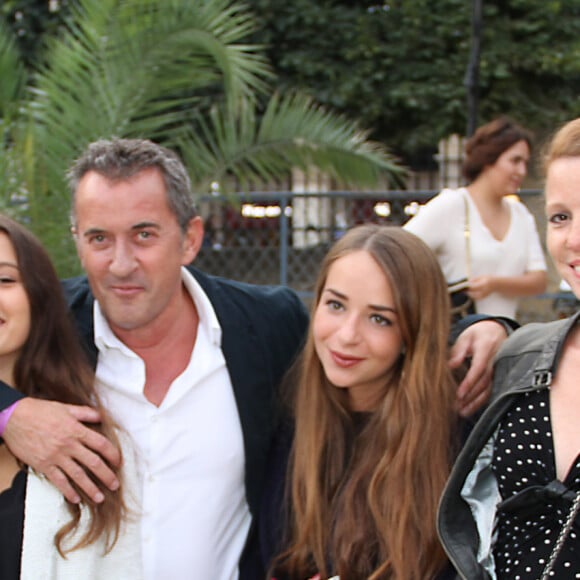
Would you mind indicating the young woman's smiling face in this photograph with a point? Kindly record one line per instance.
(14, 309)
(356, 329)
(563, 218)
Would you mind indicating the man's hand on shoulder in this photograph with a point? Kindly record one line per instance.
(50, 437)
(477, 345)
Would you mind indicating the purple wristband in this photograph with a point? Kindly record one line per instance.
(5, 415)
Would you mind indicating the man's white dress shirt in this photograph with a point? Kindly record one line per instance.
(190, 454)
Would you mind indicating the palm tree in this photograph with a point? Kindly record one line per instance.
(12, 86)
(178, 72)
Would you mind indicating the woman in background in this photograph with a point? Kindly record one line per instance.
(516, 484)
(356, 479)
(480, 236)
(41, 535)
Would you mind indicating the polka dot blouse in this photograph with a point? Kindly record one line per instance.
(524, 456)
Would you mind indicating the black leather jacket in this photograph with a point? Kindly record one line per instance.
(527, 361)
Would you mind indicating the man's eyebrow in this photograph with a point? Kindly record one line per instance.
(93, 232)
(142, 225)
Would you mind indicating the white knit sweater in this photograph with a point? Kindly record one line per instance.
(44, 514)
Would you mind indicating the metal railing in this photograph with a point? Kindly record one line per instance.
(282, 237)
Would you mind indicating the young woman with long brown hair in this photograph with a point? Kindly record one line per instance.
(41, 535)
(373, 419)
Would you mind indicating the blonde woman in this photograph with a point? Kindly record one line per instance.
(517, 481)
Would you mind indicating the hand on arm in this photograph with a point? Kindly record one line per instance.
(478, 345)
(51, 438)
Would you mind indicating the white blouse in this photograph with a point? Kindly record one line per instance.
(440, 224)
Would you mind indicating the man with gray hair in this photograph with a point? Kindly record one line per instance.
(187, 363)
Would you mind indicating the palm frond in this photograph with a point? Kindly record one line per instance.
(179, 72)
(138, 68)
(12, 86)
(127, 68)
(293, 132)
(12, 74)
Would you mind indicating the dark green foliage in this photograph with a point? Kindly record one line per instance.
(400, 66)
(182, 72)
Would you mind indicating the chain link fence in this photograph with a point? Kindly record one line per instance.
(282, 237)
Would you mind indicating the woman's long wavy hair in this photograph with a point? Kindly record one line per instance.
(366, 500)
(52, 365)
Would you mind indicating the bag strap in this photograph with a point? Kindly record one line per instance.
(467, 236)
(562, 537)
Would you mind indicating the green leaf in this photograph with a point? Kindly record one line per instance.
(182, 72)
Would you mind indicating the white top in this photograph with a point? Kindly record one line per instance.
(190, 454)
(45, 512)
(440, 223)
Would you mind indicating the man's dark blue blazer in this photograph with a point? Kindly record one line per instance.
(263, 328)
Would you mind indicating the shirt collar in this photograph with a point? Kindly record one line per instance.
(105, 338)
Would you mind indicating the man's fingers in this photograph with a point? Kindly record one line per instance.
(474, 391)
(459, 352)
(87, 450)
(50, 438)
(480, 342)
(102, 448)
(61, 482)
(94, 463)
(70, 469)
(467, 409)
(84, 413)
(476, 372)
(75, 472)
